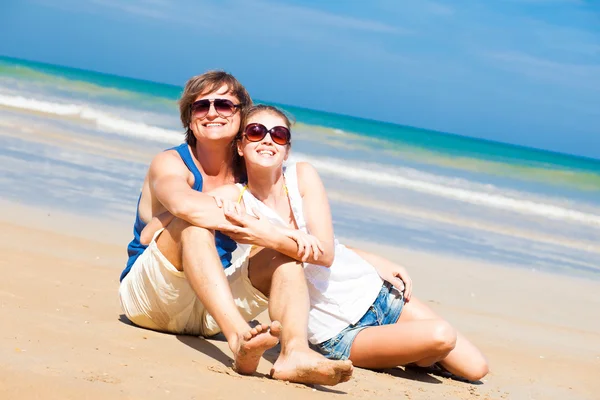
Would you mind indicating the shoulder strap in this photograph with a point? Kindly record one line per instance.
(242, 188)
(291, 182)
(186, 156)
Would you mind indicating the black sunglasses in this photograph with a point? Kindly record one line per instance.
(279, 134)
(223, 107)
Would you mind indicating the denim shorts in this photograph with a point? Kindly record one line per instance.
(385, 311)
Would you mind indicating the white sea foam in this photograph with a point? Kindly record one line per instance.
(375, 175)
(405, 178)
(102, 119)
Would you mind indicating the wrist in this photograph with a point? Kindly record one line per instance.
(274, 239)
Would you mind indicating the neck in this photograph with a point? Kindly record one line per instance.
(265, 185)
(213, 159)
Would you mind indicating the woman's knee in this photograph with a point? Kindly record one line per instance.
(443, 336)
(283, 261)
(191, 232)
(269, 263)
(477, 370)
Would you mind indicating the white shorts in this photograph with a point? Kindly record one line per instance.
(155, 295)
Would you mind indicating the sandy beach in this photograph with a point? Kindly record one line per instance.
(64, 336)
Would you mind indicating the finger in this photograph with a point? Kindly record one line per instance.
(307, 251)
(235, 219)
(400, 285)
(315, 250)
(408, 290)
(257, 213)
(306, 254)
(403, 275)
(240, 238)
(407, 284)
(397, 283)
(230, 229)
(219, 202)
(300, 242)
(238, 208)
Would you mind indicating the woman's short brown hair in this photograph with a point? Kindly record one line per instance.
(206, 83)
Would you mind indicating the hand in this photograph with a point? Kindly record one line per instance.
(228, 206)
(246, 229)
(397, 276)
(307, 244)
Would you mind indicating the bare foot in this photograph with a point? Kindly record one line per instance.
(253, 344)
(307, 366)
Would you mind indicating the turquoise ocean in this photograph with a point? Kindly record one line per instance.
(81, 141)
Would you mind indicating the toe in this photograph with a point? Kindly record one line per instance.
(275, 328)
(247, 335)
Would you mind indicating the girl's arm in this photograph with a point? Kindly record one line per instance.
(389, 271)
(259, 231)
(316, 210)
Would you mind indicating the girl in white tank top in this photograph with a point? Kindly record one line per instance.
(339, 294)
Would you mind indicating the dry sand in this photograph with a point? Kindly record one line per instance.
(63, 336)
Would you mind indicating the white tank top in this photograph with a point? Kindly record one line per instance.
(339, 295)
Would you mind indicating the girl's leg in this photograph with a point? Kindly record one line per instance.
(465, 360)
(420, 341)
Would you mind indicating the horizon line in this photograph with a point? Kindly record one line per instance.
(461, 136)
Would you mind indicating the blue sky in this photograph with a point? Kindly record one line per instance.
(519, 71)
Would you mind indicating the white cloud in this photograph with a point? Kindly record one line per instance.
(537, 68)
(310, 16)
(252, 13)
(155, 9)
(437, 8)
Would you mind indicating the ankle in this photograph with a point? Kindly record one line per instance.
(289, 346)
(234, 337)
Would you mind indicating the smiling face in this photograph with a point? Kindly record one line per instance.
(265, 153)
(213, 126)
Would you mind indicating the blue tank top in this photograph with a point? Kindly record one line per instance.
(225, 245)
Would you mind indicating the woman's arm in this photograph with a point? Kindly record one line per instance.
(162, 220)
(247, 229)
(316, 210)
(389, 271)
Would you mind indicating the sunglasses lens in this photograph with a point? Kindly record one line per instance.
(280, 135)
(255, 132)
(201, 107)
(224, 107)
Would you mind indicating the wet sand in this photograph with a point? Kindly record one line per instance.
(64, 336)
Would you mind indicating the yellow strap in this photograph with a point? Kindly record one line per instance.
(239, 200)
